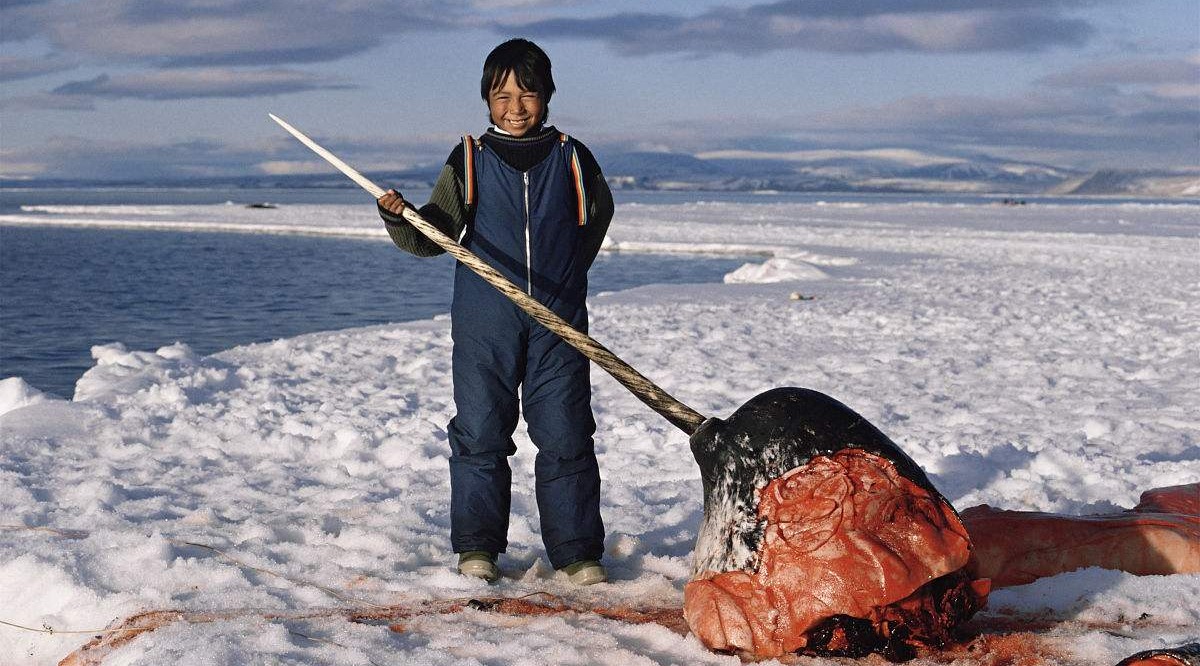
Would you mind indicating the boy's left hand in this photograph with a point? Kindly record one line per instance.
(392, 202)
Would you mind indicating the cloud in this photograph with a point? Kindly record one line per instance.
(47, 101)
(1153, 123)
(1173, 81)
(1150, 72)
(13, 68)
(173, 84)
(1087, 128)
(93, 158)
(222, 32)
(510, 4)
(1179, 91)
(76, 157)
(195, 83)
(850, 26)
(292, 167)
(878, 7)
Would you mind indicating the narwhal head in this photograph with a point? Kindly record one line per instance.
(774, 432)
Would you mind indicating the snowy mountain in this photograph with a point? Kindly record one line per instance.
(1155, 183)
(877, 170)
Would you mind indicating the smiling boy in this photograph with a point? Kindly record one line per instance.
(532, 203)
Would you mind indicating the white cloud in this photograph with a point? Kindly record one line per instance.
(291, 167)
(1178, 91)
(1087, 128)
(910, 157)
(90, 157)
(19, 170)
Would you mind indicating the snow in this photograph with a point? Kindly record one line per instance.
(906, 156)
(1040, 357)
(16, 392)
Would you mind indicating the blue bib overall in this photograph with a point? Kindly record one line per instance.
(527, 226)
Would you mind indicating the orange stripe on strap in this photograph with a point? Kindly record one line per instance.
(580, 200)
(468, 169)
(577, 176)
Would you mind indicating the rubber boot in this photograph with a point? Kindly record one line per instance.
(479, 564)
(585, 572)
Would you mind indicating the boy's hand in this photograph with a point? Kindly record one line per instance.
(392, 202)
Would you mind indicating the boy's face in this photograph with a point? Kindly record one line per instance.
(514, 109)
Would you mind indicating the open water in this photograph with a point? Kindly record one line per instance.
(63, 290)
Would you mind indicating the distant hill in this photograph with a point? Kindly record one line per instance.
(883, 170)
(822, 170)
(879, 170)
(1146, 183)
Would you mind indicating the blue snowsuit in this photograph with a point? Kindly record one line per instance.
(527, 226)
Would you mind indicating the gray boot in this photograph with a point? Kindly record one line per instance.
(479, 564)
(585, 572)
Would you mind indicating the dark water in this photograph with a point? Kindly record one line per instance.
(64, 290)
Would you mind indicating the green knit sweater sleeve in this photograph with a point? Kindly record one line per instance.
(446, 210)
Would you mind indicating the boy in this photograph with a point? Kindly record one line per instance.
(533, 204)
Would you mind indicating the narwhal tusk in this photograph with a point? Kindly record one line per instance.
(680, 415)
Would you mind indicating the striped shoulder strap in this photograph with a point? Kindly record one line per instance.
(469, 146)
(581, 208)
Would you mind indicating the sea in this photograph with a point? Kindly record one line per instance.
(65, 289)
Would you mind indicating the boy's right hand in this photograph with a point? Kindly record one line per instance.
(392, 202)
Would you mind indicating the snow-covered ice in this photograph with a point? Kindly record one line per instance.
(16, 392)
(1041, 357)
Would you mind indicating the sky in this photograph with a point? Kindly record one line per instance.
(136, 89)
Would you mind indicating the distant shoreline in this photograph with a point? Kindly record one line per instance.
(639, 173)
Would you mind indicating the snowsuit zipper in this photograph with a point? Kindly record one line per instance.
(528, 244)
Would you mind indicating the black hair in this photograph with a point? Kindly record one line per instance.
(525, 60)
